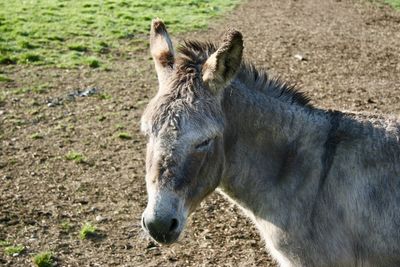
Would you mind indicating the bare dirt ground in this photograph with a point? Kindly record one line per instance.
(351, 60)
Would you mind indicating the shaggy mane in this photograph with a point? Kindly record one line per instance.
(187, 78)
(192, 55)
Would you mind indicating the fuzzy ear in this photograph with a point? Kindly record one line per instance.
(222, 65)
(161, 49)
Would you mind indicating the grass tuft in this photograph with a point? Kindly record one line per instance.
(44, 259)
(124, 135)
(104, 96)
(36, 136)
(21, 91)
(93, 62)
(78, 47)
(29, 58)
(6, 60)
(66, 226)
(12, 250)
(27, 45)
(5, 79)
(75, 156)
(4, 243)
(87, 230)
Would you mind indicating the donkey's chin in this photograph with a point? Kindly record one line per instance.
(165, 239)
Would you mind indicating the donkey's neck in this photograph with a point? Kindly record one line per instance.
(273, 151)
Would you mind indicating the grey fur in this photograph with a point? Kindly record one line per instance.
(323, 187)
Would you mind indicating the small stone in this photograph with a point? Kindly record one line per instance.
(88, 92)
(93, 209)
(300, 57)
(100, 218)
(151, 245)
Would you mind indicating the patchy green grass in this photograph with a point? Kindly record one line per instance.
(4, 243)
(4, 78)
(26, 58)
(7, 60)
(44, 259)
(92, 62)
(124, 135)
(75, 33)
(21, 91)
(78, 47)
(104, 96)
(14, 250)
(394, 3)
(87, 230)
(66, 226)
(39, 89)
(75, 156)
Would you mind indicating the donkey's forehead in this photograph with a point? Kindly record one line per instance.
(181, 116)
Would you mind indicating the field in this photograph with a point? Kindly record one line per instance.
(72, 90)
(394, 3)
(72, 33)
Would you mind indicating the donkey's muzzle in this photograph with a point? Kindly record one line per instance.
(162, 229)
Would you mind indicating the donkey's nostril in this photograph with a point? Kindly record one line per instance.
(160, 226)
(163, 229)
(174, 225)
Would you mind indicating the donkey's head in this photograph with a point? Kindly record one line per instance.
(184, 123)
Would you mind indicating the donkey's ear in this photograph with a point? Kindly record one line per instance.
(161, 49)
(223, 64)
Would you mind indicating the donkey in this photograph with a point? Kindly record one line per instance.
(322, 186)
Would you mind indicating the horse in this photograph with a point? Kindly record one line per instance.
(322, 186)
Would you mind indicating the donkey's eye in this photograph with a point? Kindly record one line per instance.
(203, 144)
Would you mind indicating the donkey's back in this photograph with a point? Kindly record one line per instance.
(356, 211)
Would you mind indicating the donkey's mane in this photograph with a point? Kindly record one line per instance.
(192, 55)
(187, 78)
